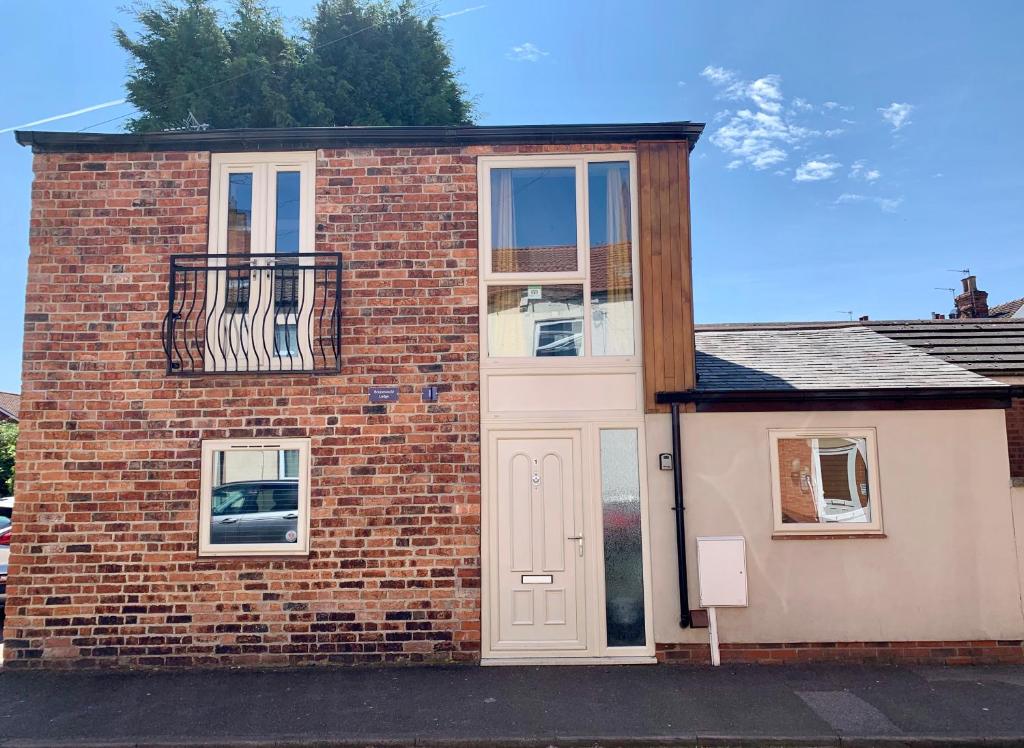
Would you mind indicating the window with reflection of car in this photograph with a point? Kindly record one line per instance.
(825, 482)
(255, 497)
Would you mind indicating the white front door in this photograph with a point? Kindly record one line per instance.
(538, 536)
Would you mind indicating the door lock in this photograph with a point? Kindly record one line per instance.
(535, 479)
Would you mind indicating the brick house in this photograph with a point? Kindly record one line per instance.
(10, 404)
(372, 395)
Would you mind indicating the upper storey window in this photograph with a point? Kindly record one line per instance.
(559, 256)
(264, 298)
(533, 220)
(260, 299)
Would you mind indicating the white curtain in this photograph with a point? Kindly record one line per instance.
(506, 333)
(618, 318)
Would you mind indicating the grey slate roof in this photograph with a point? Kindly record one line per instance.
(848, 357)
(987, 346)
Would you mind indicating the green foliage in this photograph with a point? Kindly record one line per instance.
(359, 63)
(8, 440)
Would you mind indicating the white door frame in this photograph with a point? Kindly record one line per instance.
(547, 415)
(597, 650)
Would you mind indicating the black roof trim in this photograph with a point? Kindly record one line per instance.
(308, 138)
(888, 398)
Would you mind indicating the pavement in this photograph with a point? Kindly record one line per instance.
(520, 707)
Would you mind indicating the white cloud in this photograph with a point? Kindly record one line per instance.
(718, 76)
(897, 115)
(859, 170)
(817, 169)
(526, 52)
(766, 93)
(758, 138)
(802, 105)
(681, 84)
(831, 105)
(760, 135)
(885, 204)
(834, 132)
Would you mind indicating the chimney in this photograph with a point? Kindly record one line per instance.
(937, 315)
(864, 318)
(972, 303)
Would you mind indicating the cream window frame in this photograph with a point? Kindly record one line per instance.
(874, 527)
(581, 276)
(264, 168)
(301, 546)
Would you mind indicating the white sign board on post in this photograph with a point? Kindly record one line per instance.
(722, 578)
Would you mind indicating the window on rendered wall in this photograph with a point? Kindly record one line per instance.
(825, 482)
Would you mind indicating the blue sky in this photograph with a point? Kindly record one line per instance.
(855, 152)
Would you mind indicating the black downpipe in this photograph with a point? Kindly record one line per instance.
(677, 478)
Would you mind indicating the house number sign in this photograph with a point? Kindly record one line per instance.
(383, 394)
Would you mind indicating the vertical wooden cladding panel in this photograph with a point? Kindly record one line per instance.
(665, 274)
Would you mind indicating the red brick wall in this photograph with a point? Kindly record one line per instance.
(104, 570)
(796, 497)
(1015, 437)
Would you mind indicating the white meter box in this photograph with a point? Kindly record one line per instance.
(722, 572)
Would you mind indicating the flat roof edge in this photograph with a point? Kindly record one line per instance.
(307, 138)
(887, 398)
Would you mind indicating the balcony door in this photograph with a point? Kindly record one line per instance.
(260, 286)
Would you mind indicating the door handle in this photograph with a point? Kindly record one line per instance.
(290, 516)
(579, 542)
(228, 520)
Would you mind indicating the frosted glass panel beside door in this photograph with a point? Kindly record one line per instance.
(623, 543)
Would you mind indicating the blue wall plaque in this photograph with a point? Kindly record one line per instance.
(383, 394)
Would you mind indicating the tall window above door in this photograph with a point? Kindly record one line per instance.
(558, 256)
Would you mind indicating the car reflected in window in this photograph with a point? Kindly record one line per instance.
(259, 511)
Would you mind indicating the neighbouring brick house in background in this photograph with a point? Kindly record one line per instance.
(991, 345)
(10, 404)
(367, 395)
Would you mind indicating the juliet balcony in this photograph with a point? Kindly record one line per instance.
(253, 314)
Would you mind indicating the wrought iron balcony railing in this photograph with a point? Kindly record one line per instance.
(254, 313)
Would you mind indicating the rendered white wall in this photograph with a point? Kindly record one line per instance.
(948, 569)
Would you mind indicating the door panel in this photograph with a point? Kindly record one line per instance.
(540, 596)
